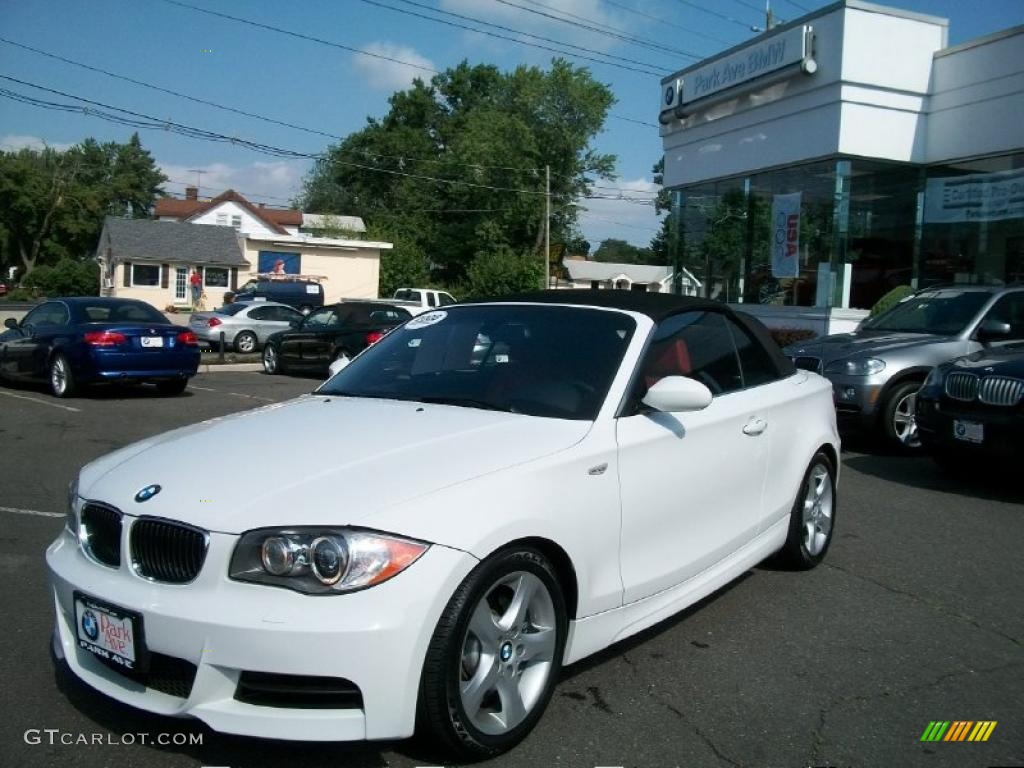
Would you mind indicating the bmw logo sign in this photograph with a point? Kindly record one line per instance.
(147, 493)
(90, 626)
(670, 95)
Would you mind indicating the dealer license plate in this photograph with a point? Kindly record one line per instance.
(152, 341)
(968, 431)
(114, 634)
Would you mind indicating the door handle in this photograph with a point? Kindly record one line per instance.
(755, 427)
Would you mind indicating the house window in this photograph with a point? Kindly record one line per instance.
(236, 222)
(222, 219)
(216, 277)
(146, 275)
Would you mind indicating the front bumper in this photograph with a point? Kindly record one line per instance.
(1003, 429)
(375, 638)
(857, 398)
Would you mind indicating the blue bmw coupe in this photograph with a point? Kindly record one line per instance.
(73, 342)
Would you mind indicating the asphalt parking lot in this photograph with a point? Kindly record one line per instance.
(914, 617)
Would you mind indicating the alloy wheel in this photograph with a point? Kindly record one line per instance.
(508, 652)
(904, 421)
(270, 359)
(818, 507)
(246, 342)
(58, 376)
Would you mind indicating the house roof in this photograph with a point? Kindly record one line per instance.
(275, 218)
(170, 241)
(598, 270)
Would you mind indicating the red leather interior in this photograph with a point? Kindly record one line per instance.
(672, 360)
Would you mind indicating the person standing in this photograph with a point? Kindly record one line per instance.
(196, 283)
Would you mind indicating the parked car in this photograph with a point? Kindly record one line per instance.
(246, 325)
(338, 332)
(418, 300)
(3, 288)
(452, 530)
(877, 370)
(304, 295)
(74, 342)
(974, 406)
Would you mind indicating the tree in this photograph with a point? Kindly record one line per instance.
(52, 203)
(617, 251)
(490, 132)
(502, 270)
(403, 266)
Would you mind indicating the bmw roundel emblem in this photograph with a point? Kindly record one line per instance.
(147, 493)
(90, 626)
(670, 95)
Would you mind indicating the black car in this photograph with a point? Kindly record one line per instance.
(974, 406)
(71, 342)
(335, 332)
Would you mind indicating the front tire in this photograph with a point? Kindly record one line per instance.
(812, 519)
(272, 360)
(62, 379)
(495, 655)
(899, 423)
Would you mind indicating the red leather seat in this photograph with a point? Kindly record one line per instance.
(672, 360)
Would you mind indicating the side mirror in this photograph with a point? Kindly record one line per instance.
(993, 330)
(11, 323)
(675, 394)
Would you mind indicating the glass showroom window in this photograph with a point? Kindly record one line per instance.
(216, 277)
(146, 275)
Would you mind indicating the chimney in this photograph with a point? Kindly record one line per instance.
(262, 205)
(191, 193)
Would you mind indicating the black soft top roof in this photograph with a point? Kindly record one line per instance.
(656, 306)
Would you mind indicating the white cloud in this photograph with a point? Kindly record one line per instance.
(628, 216)
(13, 142)
(393, 75)
(274, 183)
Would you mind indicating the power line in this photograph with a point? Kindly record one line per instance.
(746, 4)
(702, 9)
(803, 8)
(142, 120)
(666, 22)
(407, 12)
(592, 26)
(252, 195)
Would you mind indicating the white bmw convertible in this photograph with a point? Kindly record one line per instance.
(491, 492)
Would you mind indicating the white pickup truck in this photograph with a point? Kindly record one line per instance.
(418, 300)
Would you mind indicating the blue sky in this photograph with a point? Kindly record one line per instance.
(334, 90)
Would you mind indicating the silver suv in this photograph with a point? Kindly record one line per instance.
(876, 370)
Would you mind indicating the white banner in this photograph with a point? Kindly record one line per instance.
(786, 235)
(976, 197)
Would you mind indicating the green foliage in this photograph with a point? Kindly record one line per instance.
(405, 266)
(891, 299)
(502, 271)
(52, 203)
(461, 126)
(68, 277)
(614, 251)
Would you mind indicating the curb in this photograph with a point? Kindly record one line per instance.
(228, 367)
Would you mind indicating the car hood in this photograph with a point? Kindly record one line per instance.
(318, 460)
(866, 343)
(1003, 361)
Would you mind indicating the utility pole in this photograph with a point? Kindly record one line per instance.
(547, 227)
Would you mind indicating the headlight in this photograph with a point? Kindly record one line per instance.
(321, 561)
(867, 366)
(71, 513)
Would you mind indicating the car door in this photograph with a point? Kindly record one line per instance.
(317, 335)
(26, 354)
(690, 483)
(1009, 309)
(293, 343)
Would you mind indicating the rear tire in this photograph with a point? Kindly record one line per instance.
(812, 519)
(175, 387)
(246, 342)
(62, 379)
(495, 656)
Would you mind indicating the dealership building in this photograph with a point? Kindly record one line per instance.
(844, 153)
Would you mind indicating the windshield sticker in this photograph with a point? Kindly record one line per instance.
(426, 320)
(501, 358)
(415, 342)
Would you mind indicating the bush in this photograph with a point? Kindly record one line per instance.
(503, 271)
(68, 277)
(22, 294)
(786, 336)
(891, 299)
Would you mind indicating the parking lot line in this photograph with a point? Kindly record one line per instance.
(34, 512)
(42, 402)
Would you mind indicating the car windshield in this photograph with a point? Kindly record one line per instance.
(231, 309)
(556, 362)
(945, 312)
(251, 285)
